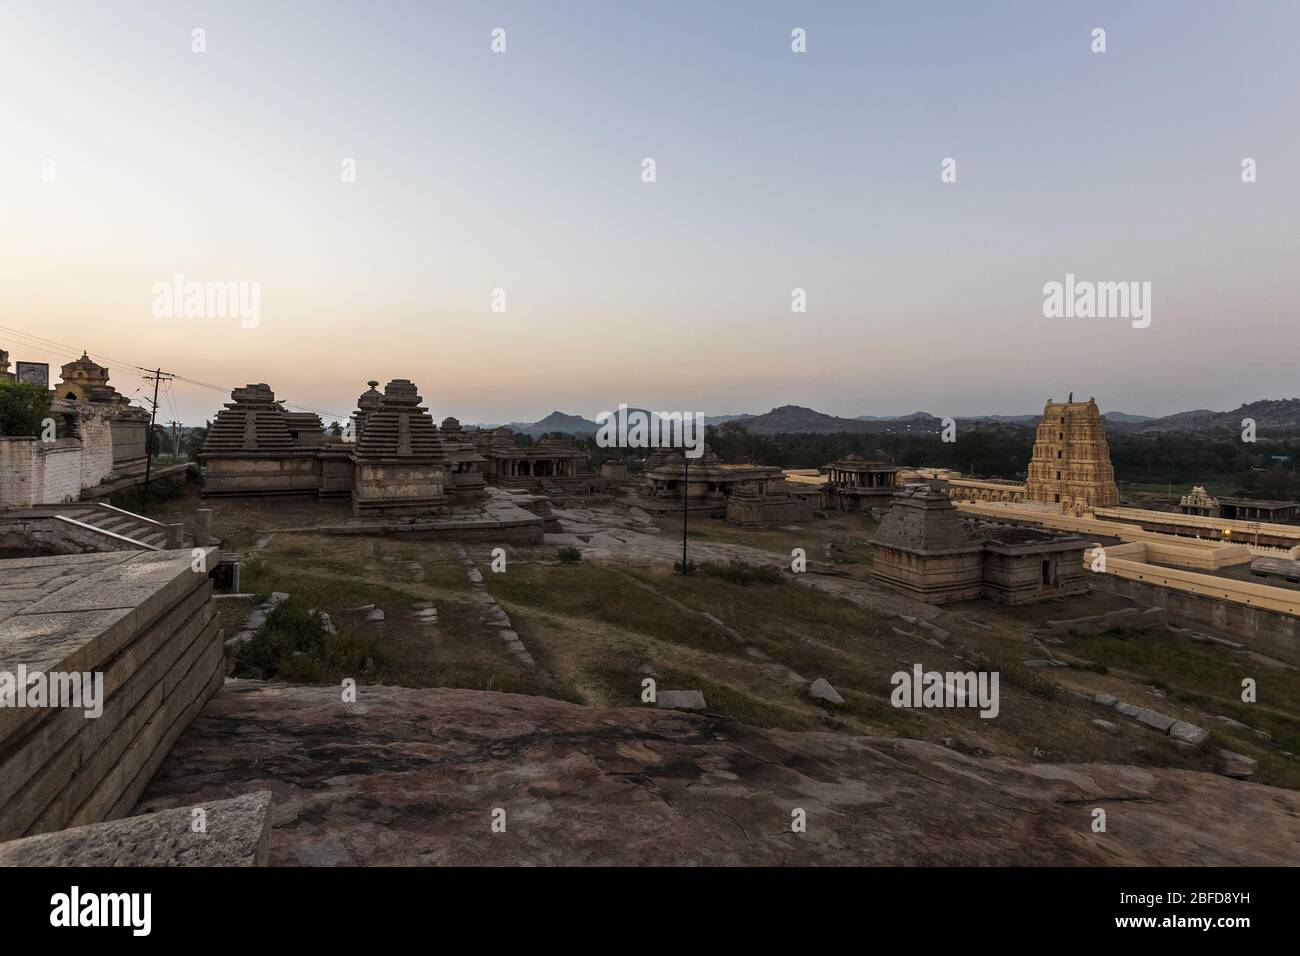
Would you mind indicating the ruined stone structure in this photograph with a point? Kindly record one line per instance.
(554, 465)
(614, 472)
(705, 481)
(401, 465)
(5, 374)
(925, 550)
(853, 484)
(255, 447)
(465, 466)
(1071, 460)
(752, 506)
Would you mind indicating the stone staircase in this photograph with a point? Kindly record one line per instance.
(102, 525)
(551, 488)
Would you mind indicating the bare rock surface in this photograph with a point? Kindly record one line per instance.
(412, 777)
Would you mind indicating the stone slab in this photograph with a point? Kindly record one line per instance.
(236, 832)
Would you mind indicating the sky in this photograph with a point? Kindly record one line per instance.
(516, 179)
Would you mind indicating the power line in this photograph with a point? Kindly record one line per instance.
(50, 345)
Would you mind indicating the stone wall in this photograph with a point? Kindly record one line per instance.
(764, 510)
(34, 472)
(262, 474)
(956, 575)
(95, 430)
(1018, 578)
(1267, 632)
(129, 444)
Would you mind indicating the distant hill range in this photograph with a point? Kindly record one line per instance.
(1269, 415)
(1278, 414)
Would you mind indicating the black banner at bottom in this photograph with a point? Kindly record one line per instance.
(338, 905)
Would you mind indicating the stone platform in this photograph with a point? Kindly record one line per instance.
(143, 621)
(501, 517)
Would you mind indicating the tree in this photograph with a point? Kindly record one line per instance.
(192, 442)
(23, 409)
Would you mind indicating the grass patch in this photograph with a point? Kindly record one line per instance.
(1209, 678)
(606, 596)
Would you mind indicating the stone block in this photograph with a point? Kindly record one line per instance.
(1189, 733)
(235, 832)
(1154, 719)
(680, 699)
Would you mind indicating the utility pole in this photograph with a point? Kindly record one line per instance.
(156, 377)
(686, 487)
(176, 439)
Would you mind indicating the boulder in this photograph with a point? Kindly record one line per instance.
(680, 699)
(821, 689)
(1236, 765)
(1189, 733)
(1151, 718)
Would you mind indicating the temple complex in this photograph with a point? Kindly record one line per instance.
(705, 481)
(554, 465)
(854, 484)
(1071, 466)
(925, 549)
(397, 461)
(465, 466)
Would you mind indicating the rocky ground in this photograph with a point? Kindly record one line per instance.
(586, 773)
(407, 776)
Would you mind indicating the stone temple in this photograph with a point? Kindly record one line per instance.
(1071, 465)
(925, 550)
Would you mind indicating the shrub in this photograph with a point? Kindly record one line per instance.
(293, 645)
(569, 554)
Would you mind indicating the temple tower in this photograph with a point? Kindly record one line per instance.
(1071, 461)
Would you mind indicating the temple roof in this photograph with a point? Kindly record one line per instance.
(924, 519)
(400, 427)
(254, 421)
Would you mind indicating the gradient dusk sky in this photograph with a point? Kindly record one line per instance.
(775, 170)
